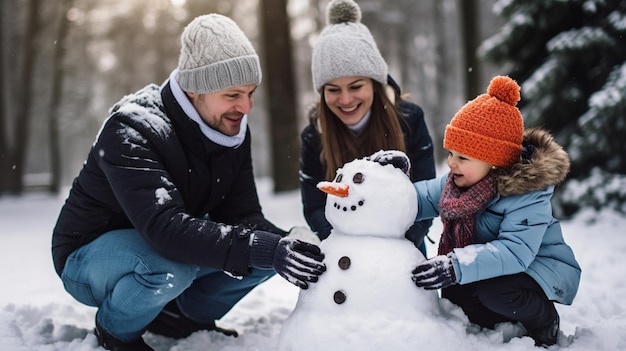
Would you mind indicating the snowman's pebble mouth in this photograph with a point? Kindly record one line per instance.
(347, 208)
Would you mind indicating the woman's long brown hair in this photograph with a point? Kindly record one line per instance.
(340, 145)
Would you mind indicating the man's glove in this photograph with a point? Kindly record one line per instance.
(299, 262)
(304, 234)
(435, 273)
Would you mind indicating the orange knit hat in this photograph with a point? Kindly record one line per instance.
(489, 128)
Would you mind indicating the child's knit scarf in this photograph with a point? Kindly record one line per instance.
(458, 208)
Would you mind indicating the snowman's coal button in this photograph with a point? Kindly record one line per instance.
(339, 297)
(344, 262)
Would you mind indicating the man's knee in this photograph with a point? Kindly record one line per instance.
(166, 277)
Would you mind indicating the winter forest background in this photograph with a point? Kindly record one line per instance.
(63, 63)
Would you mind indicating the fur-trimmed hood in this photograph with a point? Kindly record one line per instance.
(548, 165)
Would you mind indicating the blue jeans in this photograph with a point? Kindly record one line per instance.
(130, 283)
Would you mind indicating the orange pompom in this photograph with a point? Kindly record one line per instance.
(504, 89)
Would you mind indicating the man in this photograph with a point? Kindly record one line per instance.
(162, 230)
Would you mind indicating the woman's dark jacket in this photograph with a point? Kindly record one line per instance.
(152, 169)
(419, 149)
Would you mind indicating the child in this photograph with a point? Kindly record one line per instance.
(501, 257)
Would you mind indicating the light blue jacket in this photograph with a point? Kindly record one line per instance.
(517, 232)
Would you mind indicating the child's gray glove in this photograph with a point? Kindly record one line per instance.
(435, 273)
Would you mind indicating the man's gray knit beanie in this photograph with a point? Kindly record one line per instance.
(216, 55)
(346, 47)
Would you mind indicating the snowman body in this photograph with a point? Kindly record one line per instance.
(365, 300)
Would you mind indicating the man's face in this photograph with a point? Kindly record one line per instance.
(223, 110)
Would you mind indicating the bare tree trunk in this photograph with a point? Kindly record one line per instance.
(471, 41)
(281, 94)
(57, 95)
(22, 123)
(442, 64)
(4, 151)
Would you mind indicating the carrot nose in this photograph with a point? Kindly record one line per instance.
(337, 189)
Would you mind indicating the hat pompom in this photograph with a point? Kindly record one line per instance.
(504, 89)
(341, 11)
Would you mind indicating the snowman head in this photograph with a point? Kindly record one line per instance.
(372, 196)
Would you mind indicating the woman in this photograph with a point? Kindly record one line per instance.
(360, 111)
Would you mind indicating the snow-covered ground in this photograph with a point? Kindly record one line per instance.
(37, 314)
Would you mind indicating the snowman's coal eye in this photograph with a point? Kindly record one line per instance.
(339, 177)
(358, 178)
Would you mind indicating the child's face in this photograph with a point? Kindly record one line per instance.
(465, 170)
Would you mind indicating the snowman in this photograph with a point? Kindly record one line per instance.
(366, 300)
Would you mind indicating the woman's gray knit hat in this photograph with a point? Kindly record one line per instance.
(346, 47)
(216, 55)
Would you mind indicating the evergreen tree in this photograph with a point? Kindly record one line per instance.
(569, 56)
